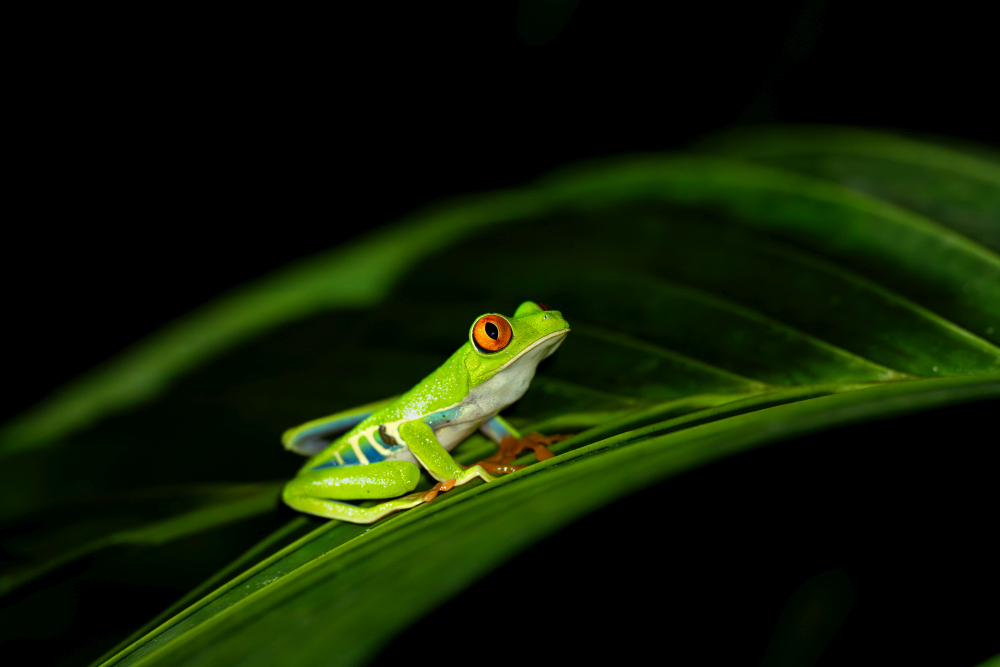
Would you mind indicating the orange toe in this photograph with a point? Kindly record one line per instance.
(431, 494)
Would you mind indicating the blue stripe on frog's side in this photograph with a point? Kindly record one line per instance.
(340, 425)
(350, 458)
(442, 418)
(435, 420)
(314, 438)
(370, 452)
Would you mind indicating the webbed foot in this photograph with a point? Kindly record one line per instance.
(509, 449)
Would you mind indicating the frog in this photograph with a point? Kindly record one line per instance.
(375, 452)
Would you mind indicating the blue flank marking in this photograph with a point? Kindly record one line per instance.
(370, 452)
(329, 463)
(438, 419)
(332, 427)
(435, 420)
(350, 459)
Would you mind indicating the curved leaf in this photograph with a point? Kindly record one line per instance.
(717, 304)
(945, 271)
(363, 589)
(149, 517)
(957, 189)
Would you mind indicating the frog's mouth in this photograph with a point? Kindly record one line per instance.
(551, 343)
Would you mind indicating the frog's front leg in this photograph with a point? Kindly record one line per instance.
(419, 437)
(319, 491)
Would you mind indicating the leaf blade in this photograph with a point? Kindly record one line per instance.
(323, 590)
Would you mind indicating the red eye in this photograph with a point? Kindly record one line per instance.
(543, 306)
(491, 333)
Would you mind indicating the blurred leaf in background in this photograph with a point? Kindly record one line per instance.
(766, 285)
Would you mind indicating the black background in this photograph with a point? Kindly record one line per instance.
(161, 157)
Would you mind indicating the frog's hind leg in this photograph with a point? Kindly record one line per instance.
(322, 492)
(336, 509)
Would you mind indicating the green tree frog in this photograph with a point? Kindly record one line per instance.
(376, 449)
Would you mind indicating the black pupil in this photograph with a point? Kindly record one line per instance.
(492, 331)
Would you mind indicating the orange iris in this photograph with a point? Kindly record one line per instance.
(492, 333)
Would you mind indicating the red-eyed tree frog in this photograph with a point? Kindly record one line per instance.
(376, 449)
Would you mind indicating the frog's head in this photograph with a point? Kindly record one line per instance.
(516, 343)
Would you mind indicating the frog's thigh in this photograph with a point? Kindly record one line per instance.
(317, 491)
(385, 479)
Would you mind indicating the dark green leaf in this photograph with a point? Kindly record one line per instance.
(717, 304)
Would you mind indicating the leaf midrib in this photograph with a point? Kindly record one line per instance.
(705, 297)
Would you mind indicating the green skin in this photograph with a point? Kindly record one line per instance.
(378, 457)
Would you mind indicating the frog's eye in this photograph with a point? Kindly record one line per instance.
(491, 333)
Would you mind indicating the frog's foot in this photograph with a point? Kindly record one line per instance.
(473, 472)
(509, 448)
(438, 488)
(498, 468)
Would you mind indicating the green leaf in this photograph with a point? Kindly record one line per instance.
(149, 517)
(992, 662)
(719, 302)
(364, 585)
(957, 189)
